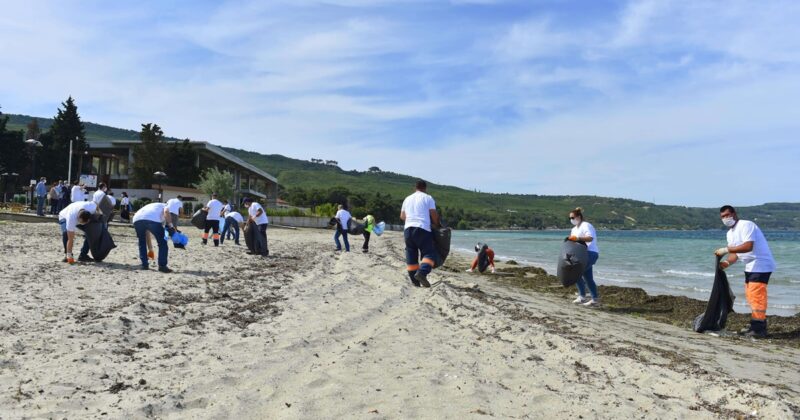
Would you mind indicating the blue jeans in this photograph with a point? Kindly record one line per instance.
(157, 229)
(588, 277)
(231, 229)
(419, 241)
(40, 199)
(343, 234)
(84, 248)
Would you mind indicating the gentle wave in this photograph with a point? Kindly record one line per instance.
(688, 273)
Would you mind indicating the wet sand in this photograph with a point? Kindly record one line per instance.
(310, 333)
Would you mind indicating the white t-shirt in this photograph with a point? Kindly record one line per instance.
(125, 201)
(417, 207)
(759, 260)
(174, 205)
(153, 212)
(253, 211)
(236, 216)
(583, 230)
(227, 208)
(70, 213)
(344, 217)
(214, 209)
(98, 196)
(77, 194)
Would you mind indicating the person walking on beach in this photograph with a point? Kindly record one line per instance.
(73, 215)
(583, 231)
(746, 242)
(258, 216)
(342, 219)
(419, 213)
(41, 196)
(125, 207)
(150, 220)
(488, 255)
(214, 209)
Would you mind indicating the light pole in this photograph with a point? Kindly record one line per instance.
(32, 144)
(160, 177)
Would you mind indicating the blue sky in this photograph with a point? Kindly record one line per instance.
(677, 102)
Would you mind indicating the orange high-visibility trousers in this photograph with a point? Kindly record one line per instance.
(756, 295)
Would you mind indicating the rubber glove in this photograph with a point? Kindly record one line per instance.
(721, 251)
(573, 238)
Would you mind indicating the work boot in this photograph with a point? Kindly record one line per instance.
(413, 280)
(164, 269)
(758, 329)
(85, 258)
(422, 279)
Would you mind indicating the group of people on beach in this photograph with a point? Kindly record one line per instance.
(745, 241)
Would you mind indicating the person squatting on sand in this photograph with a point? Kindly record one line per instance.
(233, 221)
(746, 242)
(583, 231)
(214, 210)
(73, 215)
(342, 219)
(489, 255)
(418, 213)
(150, 219)
(369, 223)
(258, 215)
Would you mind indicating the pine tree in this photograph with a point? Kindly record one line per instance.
(181, 158)
(148, 157)
(12, 156)
(67, 126)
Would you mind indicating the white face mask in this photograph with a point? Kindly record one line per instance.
(728, 221)
(574, 222)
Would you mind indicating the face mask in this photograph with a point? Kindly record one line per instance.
(728, 221)
(574, 222)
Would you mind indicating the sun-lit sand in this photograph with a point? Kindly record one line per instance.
(310, 333)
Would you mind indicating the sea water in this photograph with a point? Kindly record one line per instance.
(660, 262)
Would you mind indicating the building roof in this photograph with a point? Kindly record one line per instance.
(198, 145)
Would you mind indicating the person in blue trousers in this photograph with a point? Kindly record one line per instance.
(419, 213)
(342, 219)
(583, 231)
(150, 219)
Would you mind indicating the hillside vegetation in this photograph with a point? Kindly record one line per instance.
(306, 183)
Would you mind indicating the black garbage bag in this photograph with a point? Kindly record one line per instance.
(720, 303)
(483, 259)
(441, 241)
(354, 228)
(199, 219)
(100, 241)
(249, 231)
(572, 262)
(107, 209)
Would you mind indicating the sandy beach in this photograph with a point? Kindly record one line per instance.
(311, 333)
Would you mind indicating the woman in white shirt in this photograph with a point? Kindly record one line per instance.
(583, 231)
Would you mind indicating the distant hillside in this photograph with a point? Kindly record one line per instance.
(507, 210)
(469, 209)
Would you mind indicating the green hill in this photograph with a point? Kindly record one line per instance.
(307, 183)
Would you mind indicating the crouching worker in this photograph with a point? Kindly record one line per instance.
(78, 213)
(747, 243)
(484, 259)
(150, 219)
(418, 211)
(258, 215)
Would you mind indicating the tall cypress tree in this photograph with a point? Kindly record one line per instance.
(12, 157)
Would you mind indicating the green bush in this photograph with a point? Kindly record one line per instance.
(326, 210)
(140, 202)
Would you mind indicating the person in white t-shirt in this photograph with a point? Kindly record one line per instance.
(419, 214)
(125, 207)
(99, 193)
(342, 219)
(214, 209)
(175, 207)
(747, 243)
(77, 193)
(258, 216)
(73, 215)
(583, 231)
(150, 220)
(233, 221)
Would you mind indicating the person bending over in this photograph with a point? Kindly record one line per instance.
(78, 213)
(487, 256)
(149, 220)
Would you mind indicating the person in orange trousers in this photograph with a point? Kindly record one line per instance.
(747, 243)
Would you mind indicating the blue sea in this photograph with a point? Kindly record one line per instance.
(660, 262)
